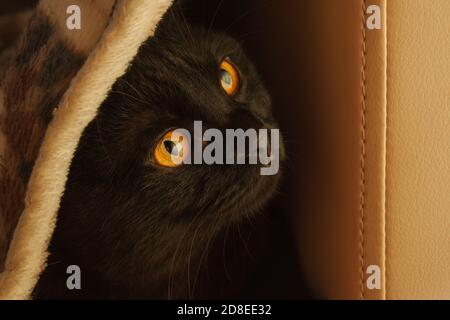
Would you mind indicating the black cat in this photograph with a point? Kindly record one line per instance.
(137, 226)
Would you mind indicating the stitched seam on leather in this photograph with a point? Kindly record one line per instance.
(363, 150)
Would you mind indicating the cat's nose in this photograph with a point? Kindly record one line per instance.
(245, 119)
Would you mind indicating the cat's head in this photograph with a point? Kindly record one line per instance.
(125, 210)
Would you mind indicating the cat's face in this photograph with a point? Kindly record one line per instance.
(128, 213)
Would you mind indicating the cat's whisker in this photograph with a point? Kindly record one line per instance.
(205, 254)
(129, 96)
(227, 274)
(211, 24)
(203, 259)
(138, 93)
(245, 242)
(53, 263)
(178, 23)
(181, 240)
(174, 256)
(188, 28)
(189, 260)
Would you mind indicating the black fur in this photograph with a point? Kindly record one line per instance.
(138, 230)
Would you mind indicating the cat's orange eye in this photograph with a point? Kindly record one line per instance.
(229, 77)
(172, 149)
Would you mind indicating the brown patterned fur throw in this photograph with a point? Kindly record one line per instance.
(53, 80)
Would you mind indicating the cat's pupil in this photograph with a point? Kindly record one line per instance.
(171, 147)
(226, 78)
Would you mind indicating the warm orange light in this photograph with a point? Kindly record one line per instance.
(171, 150)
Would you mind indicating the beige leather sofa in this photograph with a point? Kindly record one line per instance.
(377, 189)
